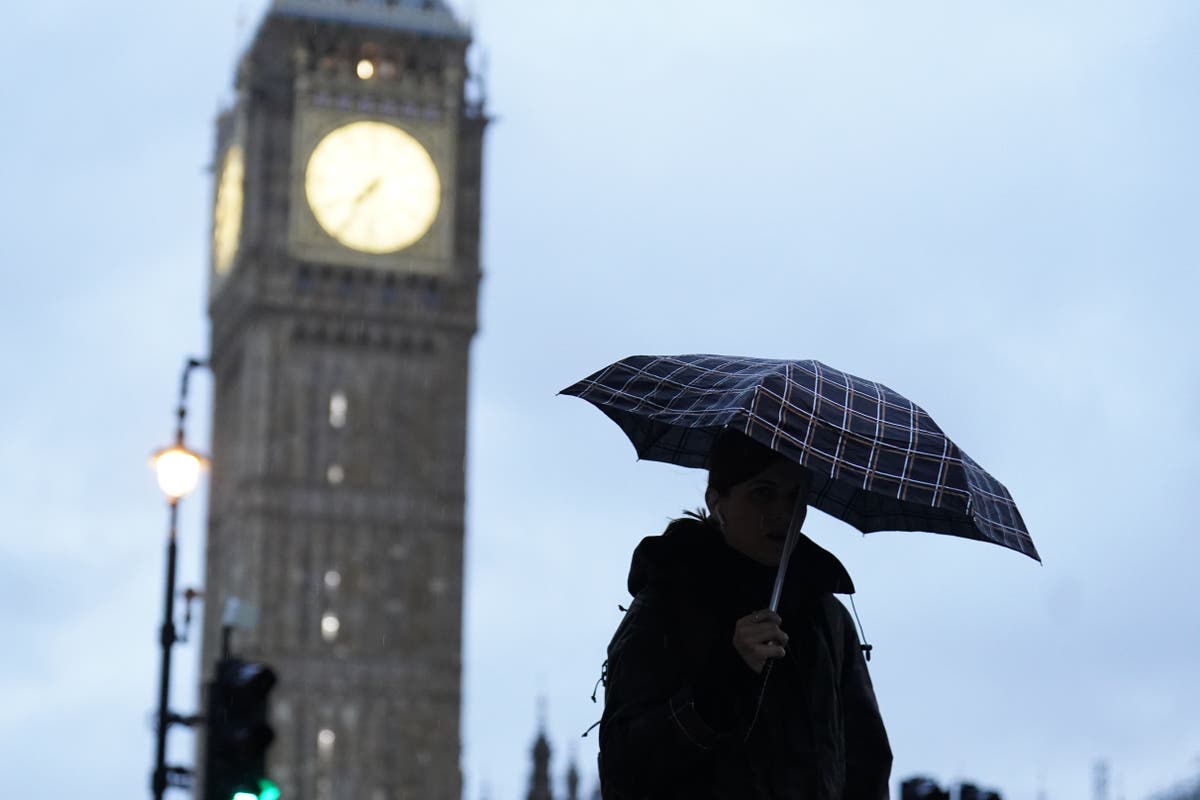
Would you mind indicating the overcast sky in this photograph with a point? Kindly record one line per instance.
(991, 208)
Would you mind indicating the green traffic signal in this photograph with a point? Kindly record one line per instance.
(267, 790)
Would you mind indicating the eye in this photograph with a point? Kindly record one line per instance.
(763, 493)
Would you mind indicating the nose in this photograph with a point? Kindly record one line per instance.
(782, 509)
(779, 512)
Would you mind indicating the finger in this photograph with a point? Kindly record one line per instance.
(769, 651)
(750, 622)
(758, 617)
(766, 615)
(763, 632)
(763, 648)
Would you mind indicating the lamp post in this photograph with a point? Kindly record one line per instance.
(178, 470)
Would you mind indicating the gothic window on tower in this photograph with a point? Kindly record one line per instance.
(330, 626)
(325, 742)
(338, 406)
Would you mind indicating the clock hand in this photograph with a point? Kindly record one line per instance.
(363, 195)
(367, 192)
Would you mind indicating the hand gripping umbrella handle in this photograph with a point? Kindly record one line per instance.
(793, 536)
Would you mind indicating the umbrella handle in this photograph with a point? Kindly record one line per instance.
(793, 536)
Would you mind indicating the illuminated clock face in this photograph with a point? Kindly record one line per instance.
(227, 212)
(372, 187)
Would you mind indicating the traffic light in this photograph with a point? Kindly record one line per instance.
(239, 734)
(922, 788)
(969, 791)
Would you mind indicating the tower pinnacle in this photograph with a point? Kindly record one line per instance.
(539, 780)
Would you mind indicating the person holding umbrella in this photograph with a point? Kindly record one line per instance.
(710, 695)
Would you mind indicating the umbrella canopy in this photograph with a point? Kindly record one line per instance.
(879, 461)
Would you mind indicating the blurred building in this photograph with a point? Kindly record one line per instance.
(1184, 790)
(920, 787)
(541, 781)
(343, 293)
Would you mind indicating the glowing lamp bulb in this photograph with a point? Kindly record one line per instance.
(178, 471)
(366, 70)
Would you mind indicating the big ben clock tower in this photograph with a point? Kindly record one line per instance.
(343, 286)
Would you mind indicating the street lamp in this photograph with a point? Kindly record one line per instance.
(178, 470)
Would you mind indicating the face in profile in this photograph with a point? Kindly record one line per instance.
(754, 514)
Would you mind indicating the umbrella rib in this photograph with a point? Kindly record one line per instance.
(905, 477)
(941, 474)
(841, 454)
(787, 396)
(873, 462)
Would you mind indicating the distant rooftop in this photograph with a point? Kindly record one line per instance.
(431, 17)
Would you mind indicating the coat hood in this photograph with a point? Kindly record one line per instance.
(692, 550)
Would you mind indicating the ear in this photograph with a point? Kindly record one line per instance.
(711, 498)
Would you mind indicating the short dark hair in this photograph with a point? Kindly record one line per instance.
(734, 458)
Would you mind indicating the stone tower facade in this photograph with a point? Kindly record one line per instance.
(343, 294)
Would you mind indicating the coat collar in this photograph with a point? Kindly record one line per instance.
(691, 549)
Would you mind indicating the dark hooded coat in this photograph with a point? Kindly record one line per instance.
(685, 717)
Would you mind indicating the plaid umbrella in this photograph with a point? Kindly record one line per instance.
(879, 461)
